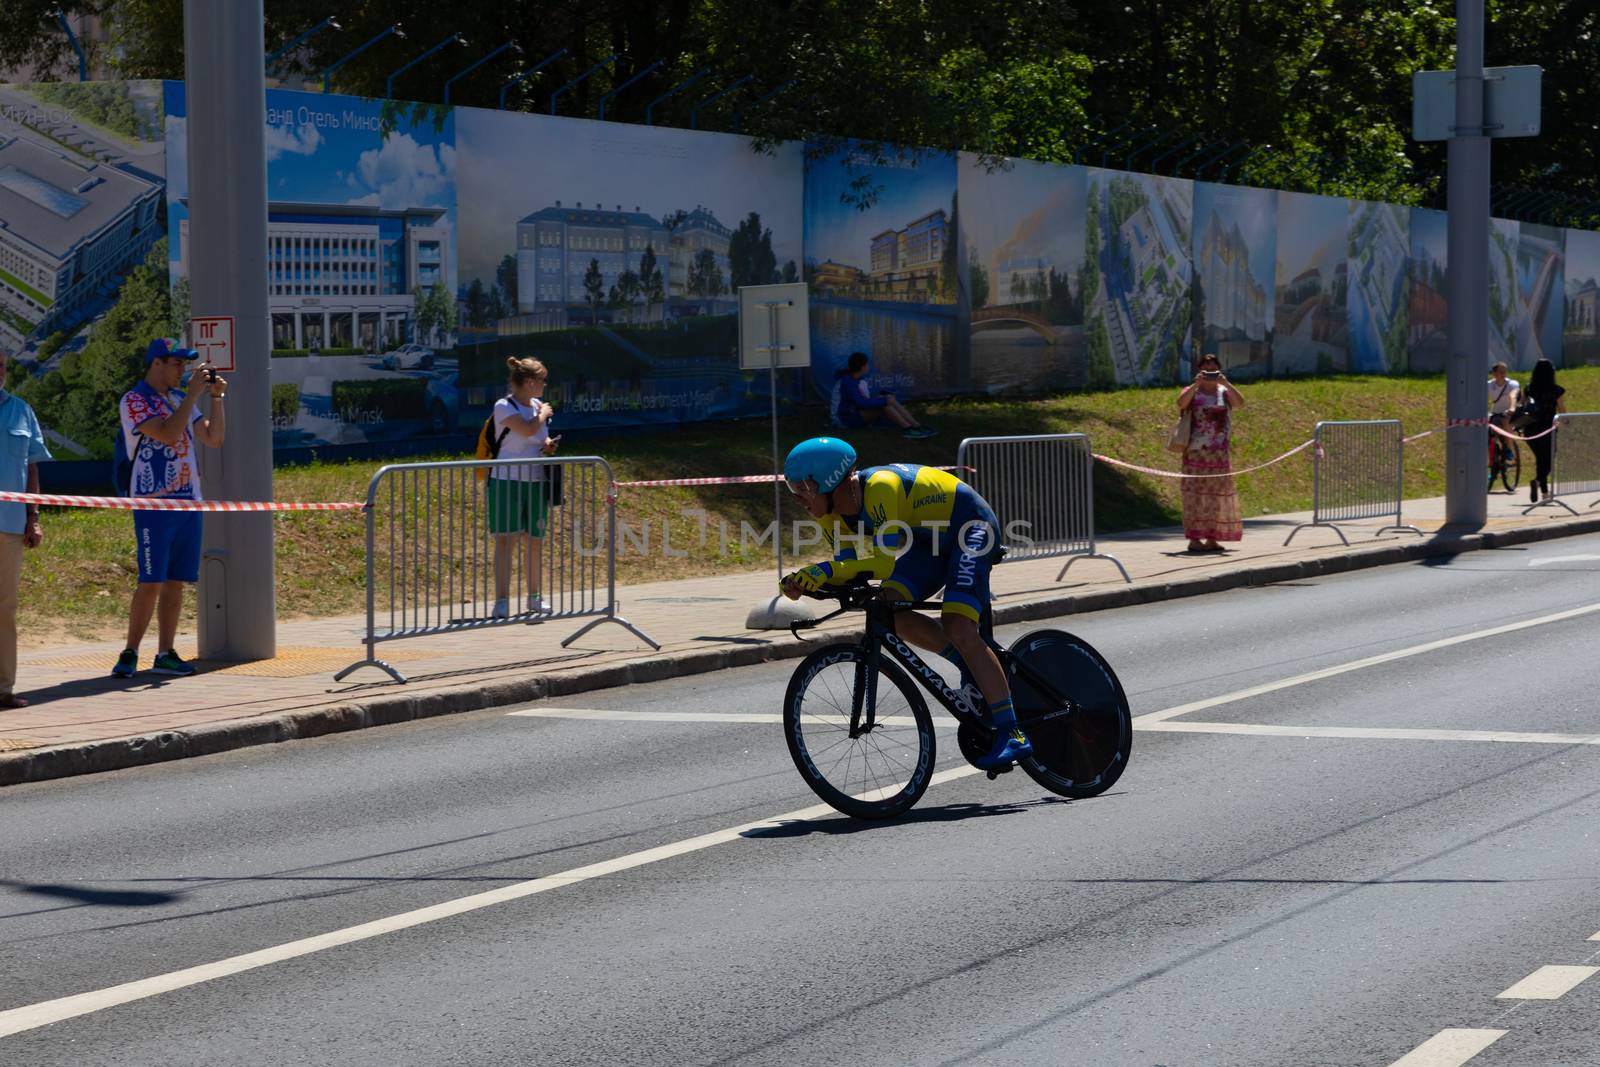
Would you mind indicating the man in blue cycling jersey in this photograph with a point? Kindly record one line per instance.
(916, 530)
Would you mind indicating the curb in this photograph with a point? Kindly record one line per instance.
(92, 757)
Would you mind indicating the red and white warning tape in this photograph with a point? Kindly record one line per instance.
(151, 503)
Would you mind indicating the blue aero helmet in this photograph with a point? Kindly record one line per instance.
(823, 460)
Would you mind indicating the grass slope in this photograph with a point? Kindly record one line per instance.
(81, 579)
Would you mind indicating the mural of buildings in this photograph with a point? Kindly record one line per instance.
(68, 228)
(1235, 256)
(344, 275)
(694, 233)
(1139, 277)
(1540, 292)
(1235, 305)
(1380, 245)
(837, 279)
(1581, 333)
(905, 263)
(555, 246)
(1311, 329)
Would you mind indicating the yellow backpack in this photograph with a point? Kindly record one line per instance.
(489, 444)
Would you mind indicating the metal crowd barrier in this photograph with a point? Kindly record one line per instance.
(1574, 460)
(1042, 490)
(1357, 474)
(431, 557)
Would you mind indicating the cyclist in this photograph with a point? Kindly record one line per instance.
(915, 529)
(1503, 398)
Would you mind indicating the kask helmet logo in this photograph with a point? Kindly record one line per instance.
(845, 463)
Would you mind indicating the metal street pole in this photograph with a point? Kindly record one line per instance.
(1466, 389)
(225, 94)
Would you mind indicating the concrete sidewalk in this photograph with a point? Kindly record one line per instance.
(82, 720)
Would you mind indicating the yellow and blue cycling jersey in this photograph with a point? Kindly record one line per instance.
(920, 529)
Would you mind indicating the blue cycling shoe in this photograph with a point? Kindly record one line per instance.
(1009, 747)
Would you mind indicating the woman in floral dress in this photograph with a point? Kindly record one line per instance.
(1210, 505)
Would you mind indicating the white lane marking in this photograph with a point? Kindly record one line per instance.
(762, 718)
(1378, 733)
(32, 1016)
(651, 716)
(1382, 733)
(1356, 665)
(1449, 1048)
(1550, 982)
(1545, 560)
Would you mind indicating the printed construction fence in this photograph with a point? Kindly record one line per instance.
(1042, 490)
(1574, 460)
(1358, 473)
(478, 543)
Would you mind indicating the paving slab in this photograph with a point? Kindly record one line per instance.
(82, 720)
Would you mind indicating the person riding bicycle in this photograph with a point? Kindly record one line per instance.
(915, 529)
(1503, 399)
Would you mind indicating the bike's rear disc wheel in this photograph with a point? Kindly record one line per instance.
(881, 772)
(1511, 466)
(1079, 750)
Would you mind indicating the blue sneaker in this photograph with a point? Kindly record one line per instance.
(127, 664)
(1009, 747)
(168, 663)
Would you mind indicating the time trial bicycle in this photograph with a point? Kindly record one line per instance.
(860, 734)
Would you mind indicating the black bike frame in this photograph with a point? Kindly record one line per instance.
(881, 635)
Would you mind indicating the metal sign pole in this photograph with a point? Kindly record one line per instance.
(777, 464)
(226, 102)
(773, 347)
(1466, 391)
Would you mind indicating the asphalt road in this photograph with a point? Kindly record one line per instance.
(1337, 870)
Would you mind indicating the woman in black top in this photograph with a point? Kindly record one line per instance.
(1545, 396)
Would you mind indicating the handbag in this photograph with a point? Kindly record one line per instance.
(1179, 441)
(1525, 415)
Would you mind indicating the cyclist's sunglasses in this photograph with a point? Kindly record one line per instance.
(797, 487)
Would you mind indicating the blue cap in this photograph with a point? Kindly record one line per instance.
(166, 347)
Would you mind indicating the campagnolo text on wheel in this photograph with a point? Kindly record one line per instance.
(856, 715)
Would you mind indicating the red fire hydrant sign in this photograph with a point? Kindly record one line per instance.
(212, 337)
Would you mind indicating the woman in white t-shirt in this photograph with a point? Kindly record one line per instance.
(518, 505)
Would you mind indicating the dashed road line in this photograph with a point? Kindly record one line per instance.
(1449, 1048)
(1550, 982)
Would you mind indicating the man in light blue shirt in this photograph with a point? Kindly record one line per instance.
(21, 449)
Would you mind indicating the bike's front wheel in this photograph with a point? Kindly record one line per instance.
(1510, 465)
(864, 744)
(1080, 746)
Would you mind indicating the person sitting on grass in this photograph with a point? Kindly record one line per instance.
(854, 406)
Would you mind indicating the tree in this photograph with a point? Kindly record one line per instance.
(435, 313)
(182, 302)
(79, 399)
(790, 272)
(477, 303)
(505, 279)
(594, 288)
(628, 290)
(1325, 83)
(650, 280)
(977, 279)
(705, 275)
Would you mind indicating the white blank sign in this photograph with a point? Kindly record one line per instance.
(755, 329)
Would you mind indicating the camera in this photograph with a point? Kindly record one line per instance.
(1211, 374)
(211, 374)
